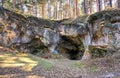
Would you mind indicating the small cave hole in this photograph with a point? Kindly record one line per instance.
(75, 55)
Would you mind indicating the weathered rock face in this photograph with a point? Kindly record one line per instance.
(99, 30)
(19, 32)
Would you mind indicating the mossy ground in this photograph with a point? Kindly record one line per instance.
(24, 65)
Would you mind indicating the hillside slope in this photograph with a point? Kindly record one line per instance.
(21, 65)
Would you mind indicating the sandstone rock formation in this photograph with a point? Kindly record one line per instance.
(99, 30)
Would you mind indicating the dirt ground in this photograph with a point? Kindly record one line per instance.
(22, 65)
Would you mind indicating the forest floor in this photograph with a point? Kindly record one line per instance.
(22, 65)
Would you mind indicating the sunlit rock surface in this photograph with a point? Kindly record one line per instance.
(17, 31)
(27, 34)
(99, 30)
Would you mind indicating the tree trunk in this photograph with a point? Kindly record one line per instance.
(110, 1)
(60, 8)
(85, 6)
(36, 10)
(104, 4)
(118, 3)
(90, 6)
(55, 10)
(40, 12)
(74, 12)
(99, 5)
(49, 9)
(76, 7)
(43, 7)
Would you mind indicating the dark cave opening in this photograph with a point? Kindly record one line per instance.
(75, 55)
(73, 49)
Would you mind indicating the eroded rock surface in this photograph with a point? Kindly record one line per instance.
(99, 30)
(19, 32)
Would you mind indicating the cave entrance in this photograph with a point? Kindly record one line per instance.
(75, 55)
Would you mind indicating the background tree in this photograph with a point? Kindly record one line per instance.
(76, 6)
(58, 9)
(99, 5)
(49, 8)
(85, 6)
(110, 1)
(118, 3)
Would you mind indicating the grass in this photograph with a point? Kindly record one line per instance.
(26, 61)
(46, 65)
(93, 69)
(84, 65)
(78, 64)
